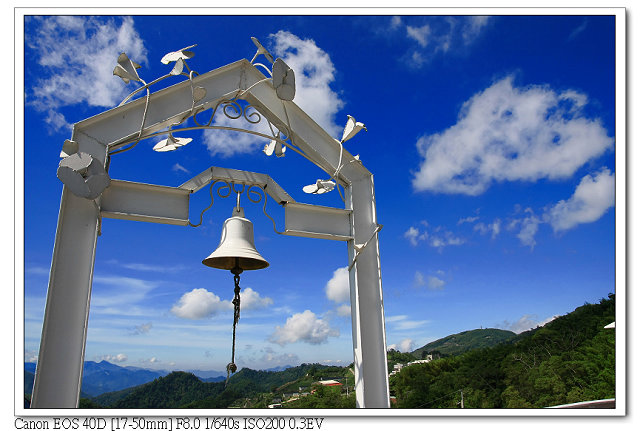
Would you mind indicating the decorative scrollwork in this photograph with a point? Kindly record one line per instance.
(254, 193)
(234, 106)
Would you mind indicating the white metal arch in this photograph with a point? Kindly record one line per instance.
(61, 356)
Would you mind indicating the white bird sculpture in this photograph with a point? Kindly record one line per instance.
(320, 187)
(351, 129)
(274, 146)
(261, 50)
(171, 144)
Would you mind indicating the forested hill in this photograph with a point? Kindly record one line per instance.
(464, 341)
(184, 390)
(570, 359)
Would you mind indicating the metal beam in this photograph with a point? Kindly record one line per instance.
(314, 221)
(145, 202)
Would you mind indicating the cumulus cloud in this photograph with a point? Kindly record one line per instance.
(406, 345)
(506, 133)
(120, 357)
(199, 304)
(314, 72)
(592, 198)
(337, 288)
(250, 299)
(305, 327)
(79, 54)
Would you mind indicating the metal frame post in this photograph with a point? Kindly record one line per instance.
(367, 313)
(61, 357)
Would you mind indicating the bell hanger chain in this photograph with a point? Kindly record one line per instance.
(231, 366)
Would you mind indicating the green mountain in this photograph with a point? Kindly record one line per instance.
(457, 344)
(246, 387)
(570, 359)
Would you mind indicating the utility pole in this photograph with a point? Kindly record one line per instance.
(461, 399)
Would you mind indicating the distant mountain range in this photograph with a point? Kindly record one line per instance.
(102, 377)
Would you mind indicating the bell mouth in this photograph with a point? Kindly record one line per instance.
(232, 262)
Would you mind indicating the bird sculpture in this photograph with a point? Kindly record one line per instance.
(261, 50)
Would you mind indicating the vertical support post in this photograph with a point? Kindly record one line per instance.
(60, 360)
(367, 314)
(58, 375)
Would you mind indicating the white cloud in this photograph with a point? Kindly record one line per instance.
(528, 229)
(179, 168)
(439, 35)
(396, 22)
(120, 357)
(251, 300)
(445, 239)
(305, 327)
(112, 291)
(80, 54)
(434, 283)
(484, 228)
(524, 323)
(418, 279)
(469, 219)
(150, 268)
(141, 329)
(344, 310)
(406, 345)
(505, 133)
(402, 322)
(412, 234)
(592, 198)
(314, 72)
(200, 303)
(30, 356)
(472, 27)
(272, 358)
(337, 288)
(419, 34)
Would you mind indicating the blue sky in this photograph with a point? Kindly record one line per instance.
(492, 144)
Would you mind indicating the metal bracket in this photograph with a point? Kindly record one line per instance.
(360, 247)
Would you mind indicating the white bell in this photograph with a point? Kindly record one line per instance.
(237, 249)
